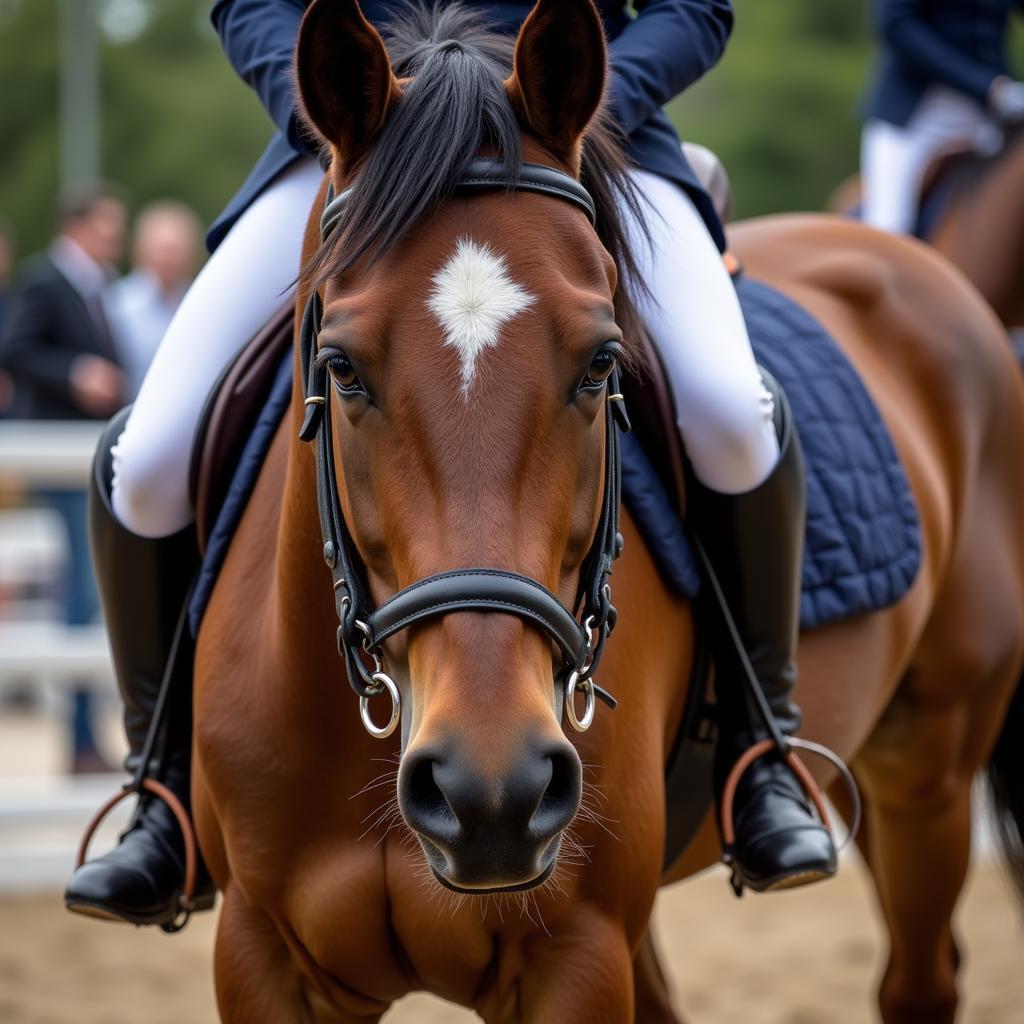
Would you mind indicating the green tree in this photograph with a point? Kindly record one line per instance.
(781, 108)
(176, 120)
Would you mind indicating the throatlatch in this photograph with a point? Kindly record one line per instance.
(363, 629)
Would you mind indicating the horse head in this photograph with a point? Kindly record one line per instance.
(469, 342)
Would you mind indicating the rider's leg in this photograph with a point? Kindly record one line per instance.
(246, 280)
(143, 583)
(892, 169)
(144, 551)
(749, 512)
(895, 159)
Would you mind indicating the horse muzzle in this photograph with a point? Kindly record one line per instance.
(483, 831)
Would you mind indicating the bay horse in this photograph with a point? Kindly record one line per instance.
(982, 230)
(981, 226)
(485, 864)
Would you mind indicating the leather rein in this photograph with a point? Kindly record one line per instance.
(578, 635)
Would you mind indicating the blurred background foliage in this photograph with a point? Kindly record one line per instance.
(781, 109)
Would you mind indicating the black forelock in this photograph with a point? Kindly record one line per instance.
(453, 106)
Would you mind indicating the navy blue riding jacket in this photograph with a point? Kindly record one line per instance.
(957, 43)
(654, 57)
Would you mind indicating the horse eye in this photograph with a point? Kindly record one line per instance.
(601, 368)
(344, 375)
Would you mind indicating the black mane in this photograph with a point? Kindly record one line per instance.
(454, 107)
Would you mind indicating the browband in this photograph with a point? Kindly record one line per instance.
(487, 174)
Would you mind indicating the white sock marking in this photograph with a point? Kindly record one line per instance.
(473, 298)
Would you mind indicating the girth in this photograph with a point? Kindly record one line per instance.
(580, 634)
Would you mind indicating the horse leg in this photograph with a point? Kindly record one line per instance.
(580, 974)
(920, 828)
(839, 795)
(918, 769)
(256, 977)
(254, 974)
(651, 997)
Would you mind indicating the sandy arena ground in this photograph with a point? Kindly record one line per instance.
(809, 957)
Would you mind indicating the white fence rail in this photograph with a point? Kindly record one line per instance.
(41, 817)
(41, 821)
(53, 655)
(43, 454)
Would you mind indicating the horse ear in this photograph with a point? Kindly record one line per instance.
(345, 79)
(558, 73)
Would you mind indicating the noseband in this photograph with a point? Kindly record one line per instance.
(363, 629)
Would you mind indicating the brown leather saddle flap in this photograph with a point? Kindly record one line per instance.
(231, 409)
(652, 413)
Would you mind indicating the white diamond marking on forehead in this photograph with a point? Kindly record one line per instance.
(473, 298)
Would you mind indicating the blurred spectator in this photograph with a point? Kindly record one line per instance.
(57, 346)
(165, 255)
(56, 342)
(941, 86)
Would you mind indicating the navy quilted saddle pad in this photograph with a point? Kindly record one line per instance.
(863, 546)
(863, 540)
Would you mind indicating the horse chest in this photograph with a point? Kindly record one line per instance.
(362, 923)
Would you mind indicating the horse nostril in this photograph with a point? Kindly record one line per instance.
(448, 800)
(561, 798)
(422, 801)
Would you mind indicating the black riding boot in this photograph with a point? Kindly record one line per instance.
(143, 587)
(755, 543)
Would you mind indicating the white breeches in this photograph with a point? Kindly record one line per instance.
(895, 160)
(242, 285)
(725, 412)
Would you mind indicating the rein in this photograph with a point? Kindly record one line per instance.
(579, 635)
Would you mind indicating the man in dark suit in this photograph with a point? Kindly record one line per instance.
(55, 341)
(58, 351)
(943, 83)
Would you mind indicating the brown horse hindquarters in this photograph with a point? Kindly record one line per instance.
(920, 689)
(932, 357)
(936, 363)
(981, 227)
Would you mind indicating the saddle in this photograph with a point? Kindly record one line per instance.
(955, 170)
(232, 407)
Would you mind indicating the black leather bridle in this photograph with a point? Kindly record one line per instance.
(363, 629)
